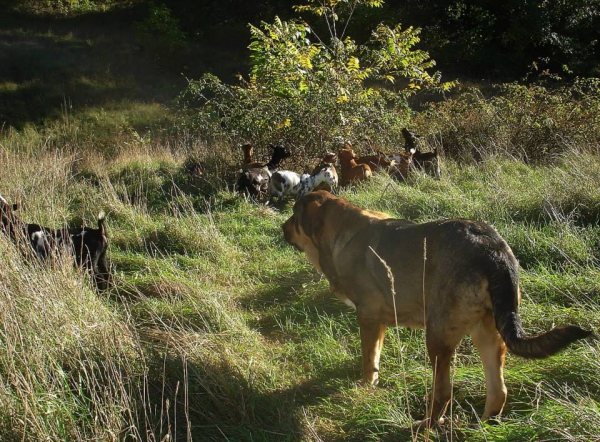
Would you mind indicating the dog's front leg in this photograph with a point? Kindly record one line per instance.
(372, 333)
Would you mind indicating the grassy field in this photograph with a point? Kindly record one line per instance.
(215, 328)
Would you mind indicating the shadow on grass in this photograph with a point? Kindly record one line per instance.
(215, 401)
(225, 404)
(96, 58)
(291, 295)
(85, 61)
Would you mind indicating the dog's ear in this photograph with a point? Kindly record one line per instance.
(311, 217)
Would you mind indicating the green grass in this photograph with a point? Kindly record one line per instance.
(215, 328)
(244, 339)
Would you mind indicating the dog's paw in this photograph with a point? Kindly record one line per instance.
(369, 383)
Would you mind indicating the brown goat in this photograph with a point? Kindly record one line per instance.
(327, 161)
(248, 160)
(401, 163)
(396, 165)
(352, 171)
(376, 162)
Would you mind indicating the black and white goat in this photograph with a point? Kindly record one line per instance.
(287, 183)
(326, 175)
(284, 183)
(253, 178)
(428, 162)
(87, 245)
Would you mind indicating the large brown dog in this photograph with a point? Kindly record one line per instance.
(468, 283)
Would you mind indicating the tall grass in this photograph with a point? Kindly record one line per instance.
(68, 359)
(216, 329)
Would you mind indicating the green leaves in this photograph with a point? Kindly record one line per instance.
(310, 89)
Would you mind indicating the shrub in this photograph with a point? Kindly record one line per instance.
(533, 123)
(308, 93)
(160, 29)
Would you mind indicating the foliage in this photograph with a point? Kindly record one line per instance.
(161, 28)
(66, 7)
(308, 93)
(503, 39)
(533, 123)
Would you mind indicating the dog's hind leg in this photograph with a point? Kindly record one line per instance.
(440, 347)
(372, 333)
(492, 351)
(102, 272)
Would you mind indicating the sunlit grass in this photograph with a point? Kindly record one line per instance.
(234, 326)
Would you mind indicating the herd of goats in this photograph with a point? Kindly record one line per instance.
(88, 245)
(260, 180)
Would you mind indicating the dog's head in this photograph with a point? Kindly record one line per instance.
(303, 227)
(8, 219)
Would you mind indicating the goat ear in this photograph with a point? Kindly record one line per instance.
(15, 206)
(272, 146)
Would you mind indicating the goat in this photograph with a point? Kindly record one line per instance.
(286, 183)
(328, 161)
(428, 162)
(283, 183)
(247, 150)
(410, 141)
(352, 171)
(88, 246)
(376, 162)
(324, 177)
(279, 154)
(254, 182)
(253, 178)
(396, 165)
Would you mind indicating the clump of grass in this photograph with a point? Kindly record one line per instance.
(68, 360)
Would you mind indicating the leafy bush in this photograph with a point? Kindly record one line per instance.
(485, 37)
(533, 123)
(65, 7)
(308, 93)
(160, 29)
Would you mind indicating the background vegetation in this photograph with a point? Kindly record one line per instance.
(215, 329)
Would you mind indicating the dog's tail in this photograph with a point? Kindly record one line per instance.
(101, 218)
(504, 293)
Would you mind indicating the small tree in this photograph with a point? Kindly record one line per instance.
(309, 91)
